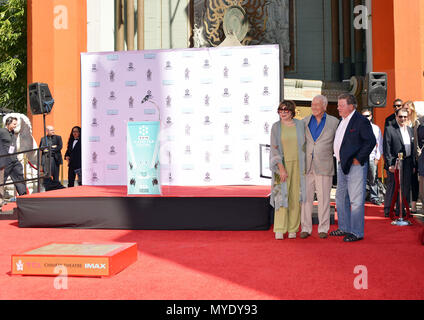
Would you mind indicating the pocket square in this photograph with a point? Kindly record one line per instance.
(352, 130)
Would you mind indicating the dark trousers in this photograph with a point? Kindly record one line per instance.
(372, 181)
(16, 172)
(54, 169)
(390, 186)
(406, 190)
(2, 187)
(72, 173)
(415, 188)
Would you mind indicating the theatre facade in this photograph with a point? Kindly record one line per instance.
(327, 46)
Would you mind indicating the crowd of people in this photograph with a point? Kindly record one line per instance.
(51, 153)
(304, 156)
(302, 165)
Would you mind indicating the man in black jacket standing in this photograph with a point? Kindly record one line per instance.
(11, 164)
(390, 120)
(55, 143)
(353, 144)
(3, 163)
(390, 183)
(398, 138)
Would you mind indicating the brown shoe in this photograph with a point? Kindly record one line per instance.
(323, 235)
(304, 235)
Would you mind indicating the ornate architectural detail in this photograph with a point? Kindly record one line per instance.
(277, 26)
(199, 39)
(257, 17)
(268, 22)
(214, 14)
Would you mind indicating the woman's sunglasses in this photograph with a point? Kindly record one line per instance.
(285, 110)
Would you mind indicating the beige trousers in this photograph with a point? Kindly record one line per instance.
(322, 185)
(288, 219)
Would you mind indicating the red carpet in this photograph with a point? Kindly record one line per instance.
(231, 265)
(8, 206)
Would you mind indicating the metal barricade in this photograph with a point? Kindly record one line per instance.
(46, 172)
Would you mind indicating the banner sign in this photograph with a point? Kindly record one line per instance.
(215, 107)
(143, 170)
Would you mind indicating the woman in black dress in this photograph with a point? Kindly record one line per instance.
(73, 156)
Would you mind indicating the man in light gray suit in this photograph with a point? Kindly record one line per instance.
(320, 130)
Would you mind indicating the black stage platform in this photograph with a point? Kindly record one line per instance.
(178, 208)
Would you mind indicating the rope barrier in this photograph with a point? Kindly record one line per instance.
(32, 166)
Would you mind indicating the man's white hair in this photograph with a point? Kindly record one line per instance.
(323, 100)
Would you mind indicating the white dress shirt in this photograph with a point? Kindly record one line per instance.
(338, 139)
(378, 149)
(406, 140)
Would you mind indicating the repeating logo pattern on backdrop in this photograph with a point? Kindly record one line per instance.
(216, 106)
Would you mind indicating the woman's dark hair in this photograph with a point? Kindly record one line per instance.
(71, 137)
(290, 105)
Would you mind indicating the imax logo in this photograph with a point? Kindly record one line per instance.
(95, 266)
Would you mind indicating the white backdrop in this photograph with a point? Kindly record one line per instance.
(216, 106)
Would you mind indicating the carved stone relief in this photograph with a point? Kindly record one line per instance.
(269, 23)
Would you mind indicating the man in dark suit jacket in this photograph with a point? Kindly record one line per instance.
(55, 142)
(353, 144)
(390, 182)
(12, 166)
(399, 138)
(390, 120)
(3, 163)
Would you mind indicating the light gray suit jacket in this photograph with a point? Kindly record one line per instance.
(319, 154)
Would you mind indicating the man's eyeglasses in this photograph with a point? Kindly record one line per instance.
(397, 105)
(402, 117)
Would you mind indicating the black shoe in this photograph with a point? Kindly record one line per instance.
(351, 238)
(337, 233)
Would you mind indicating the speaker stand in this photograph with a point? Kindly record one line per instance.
(46, 174)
